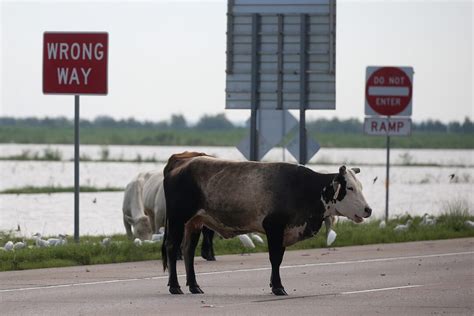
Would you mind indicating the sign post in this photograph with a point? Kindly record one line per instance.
(388, 99)
(75, 63)
(76, 168)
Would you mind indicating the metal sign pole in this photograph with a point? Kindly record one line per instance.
(76, 168)
(254, 90)
(303, 94)
(387, 181)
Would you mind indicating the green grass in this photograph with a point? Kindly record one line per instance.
(230, 137)
(56, 189)
(120, 136)
(90, 251)
(416, 140)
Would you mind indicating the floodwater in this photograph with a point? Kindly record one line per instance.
(413, 189)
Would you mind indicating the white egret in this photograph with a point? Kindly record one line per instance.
(257, 238)
(9, 245)
(246, 241)
(403, 228)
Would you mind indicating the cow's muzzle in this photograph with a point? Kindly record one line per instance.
(368, 212)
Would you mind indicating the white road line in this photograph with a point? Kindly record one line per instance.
(340, 293)
(381, 289)
(378, 260)
(241, 270)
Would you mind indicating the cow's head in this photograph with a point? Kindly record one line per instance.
(344, 196)
(141, 227)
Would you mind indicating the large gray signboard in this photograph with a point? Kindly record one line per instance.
(281, 54)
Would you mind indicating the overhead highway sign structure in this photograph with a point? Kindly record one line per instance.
(281, 54)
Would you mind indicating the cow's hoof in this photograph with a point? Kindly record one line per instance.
(196, 290)
(209, 258)
(208, 255)
(279, 291)
(175, 290)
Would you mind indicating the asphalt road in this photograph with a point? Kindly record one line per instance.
(419, 278)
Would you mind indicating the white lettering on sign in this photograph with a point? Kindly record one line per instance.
(75, 51)
(99, 51)
(387, 101)
(62, 75)
(69, 77)
(63, 48)
(398, 81)
(379, 80)
(86, 74)
(64, 51)
(52, 50)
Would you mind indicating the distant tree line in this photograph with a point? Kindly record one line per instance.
(220, 122)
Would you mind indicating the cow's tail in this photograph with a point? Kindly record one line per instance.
(164, 254)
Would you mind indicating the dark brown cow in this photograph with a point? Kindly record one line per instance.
(287, 202)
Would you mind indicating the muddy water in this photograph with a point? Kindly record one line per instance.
(413, 190)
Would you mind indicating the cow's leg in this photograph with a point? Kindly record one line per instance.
(179, 254)
(328, 222)
(128, 228)
(191, 239)
(207, 248)
(274, 230)
(173, 243)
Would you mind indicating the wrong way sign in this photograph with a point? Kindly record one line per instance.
(75, 63)
(389, 91)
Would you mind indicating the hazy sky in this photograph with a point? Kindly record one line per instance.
(169, 56)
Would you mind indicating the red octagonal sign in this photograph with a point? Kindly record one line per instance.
(389, 91)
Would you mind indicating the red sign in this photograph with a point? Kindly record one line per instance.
(75, 63)
(389, 91)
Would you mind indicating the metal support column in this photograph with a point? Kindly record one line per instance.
(254, 89)
(303, 88)
(387, 177)
(280, 63)
(76, 168)
(230, 38)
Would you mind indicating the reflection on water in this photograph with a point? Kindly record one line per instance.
(413, 189)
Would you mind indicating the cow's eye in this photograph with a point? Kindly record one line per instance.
(352, 189)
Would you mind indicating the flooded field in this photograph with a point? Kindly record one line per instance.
(444, 157)
(414, 189)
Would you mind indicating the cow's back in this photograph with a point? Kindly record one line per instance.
(150, 189)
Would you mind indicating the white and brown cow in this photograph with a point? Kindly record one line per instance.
(144, 209)
(287, 202)
(137, 223)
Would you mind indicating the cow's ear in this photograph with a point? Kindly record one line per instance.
(342, 170)
(356, 170)
(129, 220)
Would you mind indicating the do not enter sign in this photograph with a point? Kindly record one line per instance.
(388, 91)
